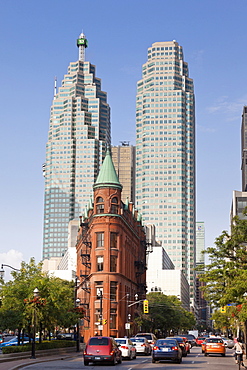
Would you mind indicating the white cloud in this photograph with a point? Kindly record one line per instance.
(12, 258)
(232, 109)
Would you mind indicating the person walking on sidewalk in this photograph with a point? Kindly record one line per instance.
(239, 350)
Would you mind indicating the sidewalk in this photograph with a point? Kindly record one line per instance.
(19, 360)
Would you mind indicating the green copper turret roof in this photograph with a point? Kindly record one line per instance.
(107, 176)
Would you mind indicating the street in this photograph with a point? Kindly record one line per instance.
(195, 360)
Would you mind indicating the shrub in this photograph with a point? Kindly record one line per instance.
(39, 346)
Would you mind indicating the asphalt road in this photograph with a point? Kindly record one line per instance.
(195, 360)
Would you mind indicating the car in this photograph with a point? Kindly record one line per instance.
(14, 342)
(200, 340)
(127, 347)
(181, 343)
(187, 344)
(229, 343)
(142, 346)
(214, 345)
(66, 336)
(102, 350)
(167, 349)
(150, 337)
(191, 339)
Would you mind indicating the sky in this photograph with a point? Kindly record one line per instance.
(38, 41)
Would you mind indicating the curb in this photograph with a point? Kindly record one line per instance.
(20, 366)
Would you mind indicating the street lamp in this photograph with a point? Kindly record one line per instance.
(35, 295)
(2, 270)
(77, 303)
(100, 297)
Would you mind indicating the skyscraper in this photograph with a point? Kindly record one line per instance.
(200, 242)
(78, 135)
(244, 148)
(124, 160)
(165, 153)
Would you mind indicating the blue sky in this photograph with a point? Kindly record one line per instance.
(38, 40)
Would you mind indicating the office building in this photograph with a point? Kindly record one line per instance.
(123, 157)
(244, 149)
(239, 203)
(161, 275)
(111, 259)
(64, 267)
(79, 132)
(165, 153)
(200, 242)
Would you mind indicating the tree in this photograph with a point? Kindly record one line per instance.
(55, 307)
(165, 314)
(226, 275)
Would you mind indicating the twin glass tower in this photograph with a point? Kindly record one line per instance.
(165, 151)
(79, 133)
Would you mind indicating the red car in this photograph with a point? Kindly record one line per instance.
(102, 350)
(187, 344)
(200, 340)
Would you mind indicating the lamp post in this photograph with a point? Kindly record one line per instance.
(35, 295)
(76, 305)
(101, 311)
(2, 270)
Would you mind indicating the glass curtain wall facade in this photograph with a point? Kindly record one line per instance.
(165, 153)
(78, 135)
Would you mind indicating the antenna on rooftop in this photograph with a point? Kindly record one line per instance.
(82, 45)
(55, 87)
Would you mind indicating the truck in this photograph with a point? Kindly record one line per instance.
(193, 332)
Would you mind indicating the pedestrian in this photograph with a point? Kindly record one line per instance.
(239, 350)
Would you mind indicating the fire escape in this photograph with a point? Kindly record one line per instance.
(86, 246)
(141, 267)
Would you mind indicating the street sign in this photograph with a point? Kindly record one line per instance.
(127, 325)
(100, 327)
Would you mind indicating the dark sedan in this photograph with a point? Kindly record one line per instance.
(167, 349)
(181, 343)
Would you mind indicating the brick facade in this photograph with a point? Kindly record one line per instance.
(111, 264)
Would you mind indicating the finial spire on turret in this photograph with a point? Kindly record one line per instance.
(82, 45)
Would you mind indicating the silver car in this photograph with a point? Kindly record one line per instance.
(229, 343)
(142, 346)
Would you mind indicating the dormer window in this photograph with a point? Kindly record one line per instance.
(114, 205)
(100, 205)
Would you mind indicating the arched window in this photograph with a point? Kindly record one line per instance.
(100, 205)
(114, 205)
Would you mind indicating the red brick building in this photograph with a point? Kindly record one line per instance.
(111, 259)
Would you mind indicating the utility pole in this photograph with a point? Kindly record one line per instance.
(101, 313)
(127, 325)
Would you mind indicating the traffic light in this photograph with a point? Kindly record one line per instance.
(145, 306)
(104, 322)
(223, 309)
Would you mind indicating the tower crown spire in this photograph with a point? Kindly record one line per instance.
(82, 45)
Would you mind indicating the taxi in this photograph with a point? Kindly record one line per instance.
(214, 345)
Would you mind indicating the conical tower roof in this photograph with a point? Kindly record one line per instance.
(107, 176)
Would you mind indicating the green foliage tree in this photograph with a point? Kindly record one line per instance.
(226, 275)
(165, 314)
(17, 300)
